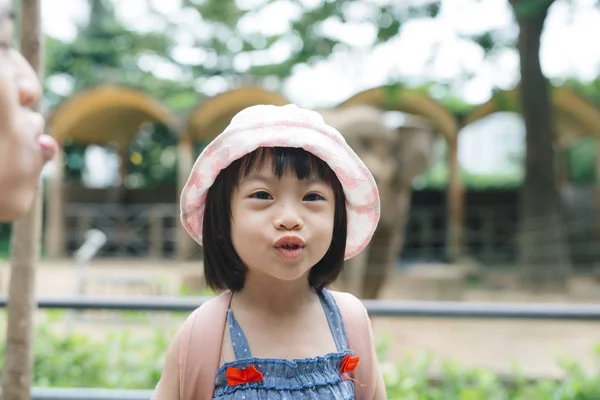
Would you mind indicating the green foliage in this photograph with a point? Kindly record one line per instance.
(411, 379)
(505, 103)
(74, 160)
(581, 157)
(135, 362)
(121, 360)
(313, 44)
(5, 231)
(457, 106)
(185, 290)
(526, 9)
(388, 25)
(105, 51)
(589, 90)
(392, 94)
(153, 157)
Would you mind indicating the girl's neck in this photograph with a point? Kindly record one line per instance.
(274, 296)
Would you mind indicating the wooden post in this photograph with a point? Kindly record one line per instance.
(454, 232)
(562, 165)
(17, 371)
(597, 186)
(55, 218)
(156, 232)
(185, 159)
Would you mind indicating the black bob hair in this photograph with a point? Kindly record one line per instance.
(223, 267)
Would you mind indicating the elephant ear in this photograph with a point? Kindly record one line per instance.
(416, 138)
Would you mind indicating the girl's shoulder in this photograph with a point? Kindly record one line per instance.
(348, 303)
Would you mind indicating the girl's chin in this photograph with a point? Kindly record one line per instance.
(284, 273)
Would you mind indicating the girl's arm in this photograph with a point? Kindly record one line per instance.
(380, 393)
(168, 385)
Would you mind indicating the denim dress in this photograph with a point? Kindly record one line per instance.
(320, 377)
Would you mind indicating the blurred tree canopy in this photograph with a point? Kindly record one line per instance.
(105, 51)
(212, 37)
(213, 33)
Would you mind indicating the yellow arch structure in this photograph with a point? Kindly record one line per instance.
(106, 114)
(212, 116)
(410, 101)
(570, 107)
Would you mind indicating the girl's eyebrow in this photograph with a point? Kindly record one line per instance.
(254, 177)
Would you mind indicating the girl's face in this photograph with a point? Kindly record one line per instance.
(23, 148)
(281, 227)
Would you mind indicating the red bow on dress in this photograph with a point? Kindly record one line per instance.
(240, 376)
(348, 365)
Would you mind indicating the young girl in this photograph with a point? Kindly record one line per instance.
(278, 200)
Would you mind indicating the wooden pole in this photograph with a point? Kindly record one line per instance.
(456, 205)
(185, 148)
(17, 371)
(55, 216)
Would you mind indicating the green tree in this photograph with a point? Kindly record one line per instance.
(542, 241)
(106, 51)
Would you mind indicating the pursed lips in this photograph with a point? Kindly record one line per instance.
(290, 242)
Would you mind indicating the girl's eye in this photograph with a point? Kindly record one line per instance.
(262, 195)
(313, 197)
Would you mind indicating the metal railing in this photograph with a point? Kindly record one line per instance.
(375, 308)
(378, 308)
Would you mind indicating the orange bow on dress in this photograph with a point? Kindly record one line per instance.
(348, 366)
(237, 376)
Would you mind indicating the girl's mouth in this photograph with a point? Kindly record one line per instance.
(290, 247)
(290, 252)
(48, 145)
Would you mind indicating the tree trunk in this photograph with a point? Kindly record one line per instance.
(543, 251)
(17, 371)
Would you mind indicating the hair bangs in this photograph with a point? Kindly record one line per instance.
(286, 160)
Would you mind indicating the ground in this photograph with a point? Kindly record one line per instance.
(496, 344)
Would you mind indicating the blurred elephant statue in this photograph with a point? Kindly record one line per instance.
(395, 156)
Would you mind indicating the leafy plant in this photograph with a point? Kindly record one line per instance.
(127, 361)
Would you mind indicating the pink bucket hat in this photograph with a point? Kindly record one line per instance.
(286, 126)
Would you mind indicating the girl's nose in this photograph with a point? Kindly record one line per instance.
(28, 85)
(288, 218)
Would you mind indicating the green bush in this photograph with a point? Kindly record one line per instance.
(122, 360)
(414, 379)
(411, 380)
